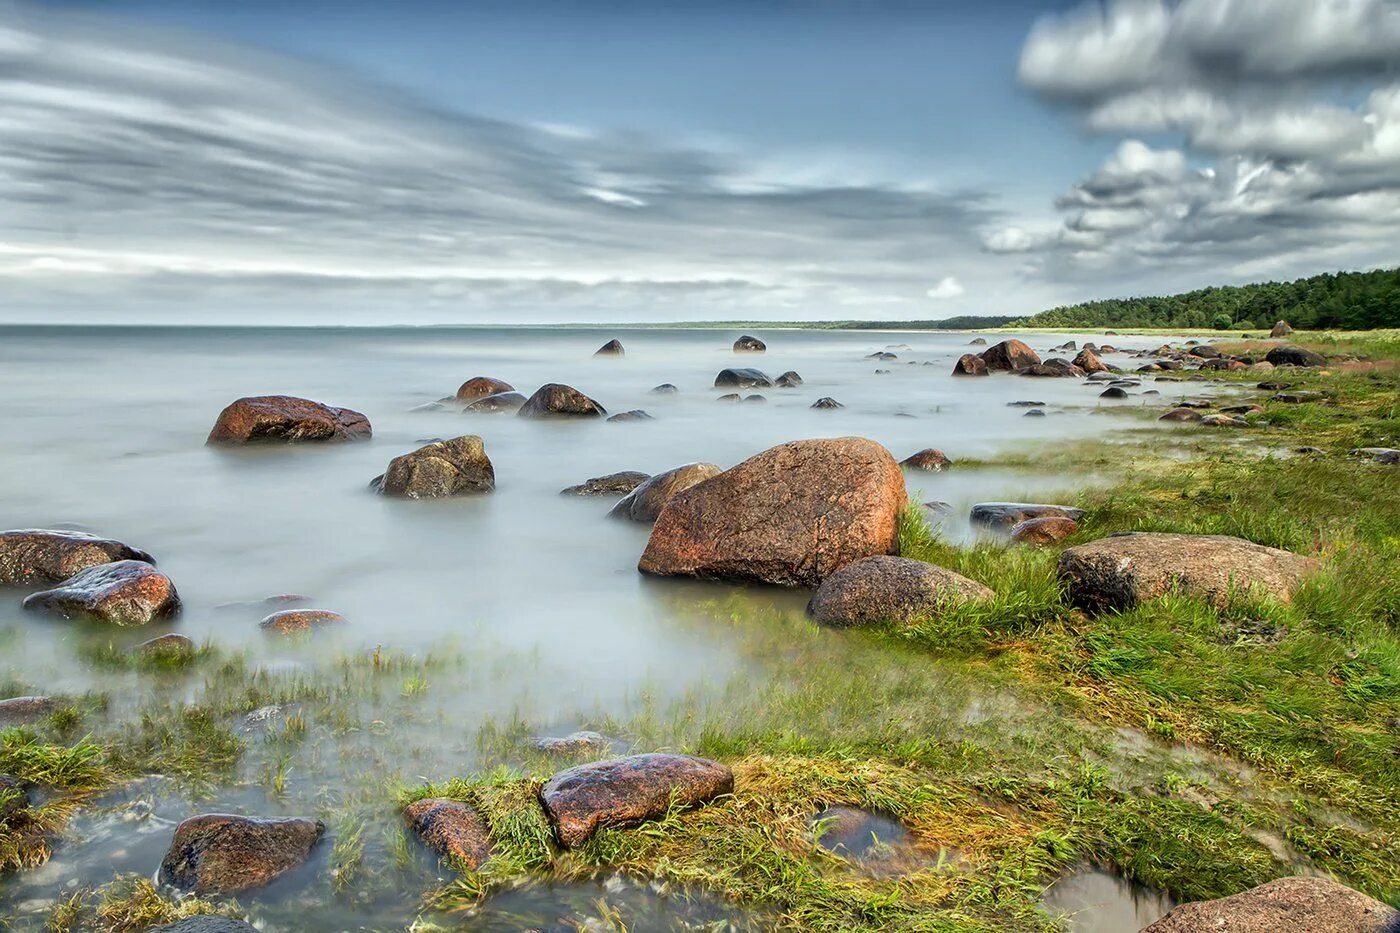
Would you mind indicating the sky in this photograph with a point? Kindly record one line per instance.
(540, 161)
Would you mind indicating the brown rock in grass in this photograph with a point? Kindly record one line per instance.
(24, 711)
(1287, 905)
(882, 589)
(451, 828)
(296, 621)
(929, 460)
(1045, 531)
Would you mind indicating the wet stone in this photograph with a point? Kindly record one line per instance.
(222, 854)
(298, 621)
(24, 711)
(456, 831)
(39, 557)
(127, 592)
(619, 483)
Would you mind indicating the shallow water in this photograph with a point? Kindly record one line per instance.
(529, 600)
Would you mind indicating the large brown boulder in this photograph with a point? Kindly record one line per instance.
(454, 830)
(220, 854)
(33, 557)
(1287, 905)
(881, 589)
(1089, 361)
(560, 400)
(1044, 531)
(478, 387)
(645, 503)
(612, 484)
(791, 515)
(500, 402)
(1009, 356)
(126, 592)
(286, 418)
(627, 791)
(443, 468)
(970, 364)
(24, 711)
(1120, 571)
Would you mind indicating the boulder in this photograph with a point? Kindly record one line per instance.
(730, 397)
(1009, 356)
(285, 418)
(627, 791)
(205, 923)
(635, 414)
(612, 484)
(13, 797)
(1281, 329)
(1114, 392)
(1089, 361)
(25, 711)
(742, 378)
(296, 621)
(827, 403)
(479, 387)
(1009, 514)
(574, 743)
(1388, 455)
(1181, 414)
(36, 557)
(221, 854)
(970, 365)
(665, 388)
(1123, 570)
(788, 380)
(611, 348)
(1044, 531)
(560, 400)
(1223, 421)
(454, 830)
(1204, 352)
(881, 589)
(791, 515)
(645, 502)
(1034, 413)
(755, 399)
(444, 468)
(1299, 904)
(169, 646)
(977, 342)
(1295, 356)
(125, 592)
(500, 402)
(929, 460)
(747, 344)
(1054, 368)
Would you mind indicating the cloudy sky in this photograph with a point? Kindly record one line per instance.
(357, 162)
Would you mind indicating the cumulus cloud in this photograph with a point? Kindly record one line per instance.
(947, 287)
(164, 176)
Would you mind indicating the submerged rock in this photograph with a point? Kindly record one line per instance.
(612, 484)
(37, 557)
(611, 348)
(627, 791)
(454, 830)
(296, 621)
(1010, 356)
(635, 414)
(977, 342)
(747, 344)
(479, 387)
(742, 378)
(970, 365)
(788, 380)
(500, 402)
(556, 399)
(126, 592)
(1302, 904)
(791, 515)
(172, 645)
(1007, 514)
(1121, 571)
(444, 468)
(1044, 531)
(206, 923)
(827, 404)
(929, 460)
(645, 502)
(881, 589)
(1054, 368)
(665, 388)
(222, 854)
(1114, 392)
(286, 418)
(1295, 356)
(24, 711)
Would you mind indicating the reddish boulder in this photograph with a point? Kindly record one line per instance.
(875, 590)
(791, 515)
(34, 557)
(1089, 361)
(296, 621)
(478, 387)
(645, 502)
(560, 400)
(1010, 356)
(127, 592)
(454, 830)
(1302, 904)
(285, 418)
(221, 854)
(1044, 531)
(970, 364)
(930, 460)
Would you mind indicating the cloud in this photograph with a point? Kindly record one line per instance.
(947, 287)
(168, 177)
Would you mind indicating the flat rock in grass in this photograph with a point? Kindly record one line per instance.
(556, 400)
(1183, 414)
(37, 557)
(172, 645)
(929, 460)
(453, 829)
(742, 378)
(791, 515)
(969, 364)
(13, 797)
(644, 503)
(1378, 454)
(1007, 514)
(501, 402)
(222, 854)
(207, 923)
(444, 468)
(1301, 904)
(1223, 421)
(297, 621)
(126, 592)
(627, 791)
(1123, 570)
(613, 484)
(1295, 356)
(479, 387)
(1010, 356)
(285, 418)
(1044, 531)
(882, 589)
(24, 711)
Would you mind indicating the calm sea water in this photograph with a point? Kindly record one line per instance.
(104, 431)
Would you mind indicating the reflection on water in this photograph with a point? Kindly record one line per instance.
(1098, 901)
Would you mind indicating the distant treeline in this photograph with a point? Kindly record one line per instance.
(965, 322)
(1340, 300)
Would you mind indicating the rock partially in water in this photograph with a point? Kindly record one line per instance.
(929, 460)
(742, 378)
(456, 831)
(613, 484)
(977, 342)
(13, 797)
(1008, 514)
(791, 515)
(297, 621)
(559, 400)
(285, 418)
(1010, 356)
(25, 711)
(645, 502)
(827, 404)
(1223, 421)
(788, 380)
(126, 592)
(665, 388)
(882, 589)
(1181, 414)
(207, 923)
(35, 557)
(635, 414)
(1054, 368)
(733, 397)
(500, 402)
(1304, 904)
(611, 348)
(222, 854)
(627, 791)
(1113, 392)
(574, 743)
(1024, 404)
(970, 365)
(1121, 571)
(168, 647)
(1295, 356)
(1034, 413)
(754, 399)
(1044, 531)
(1089, 361)
(747, 344)
(443, 468)
(479, 387)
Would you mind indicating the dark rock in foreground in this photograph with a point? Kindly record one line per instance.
(37, 557)
(444, 468)
(1287, 905)
(1006, 514)
(882, 589)
(645, 502)
(478, 387)
(285, 418)
(24, 711)
(221, 854)
(555, 399)
(747, 344)
(612, 484)
(627, 791)
(454, 830)
(500, 402)
(743, 378)
(296, 621)
(126, 592)
(1121, 571)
